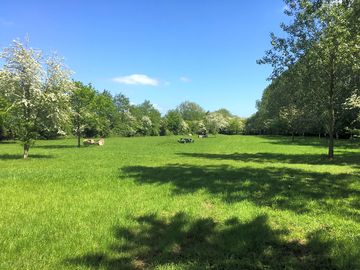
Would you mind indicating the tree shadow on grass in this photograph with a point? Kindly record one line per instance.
(55, 146)
(282, 188)
(203, 243)
(312, 141)
(7, 142)
(348, 158)
(31, 156)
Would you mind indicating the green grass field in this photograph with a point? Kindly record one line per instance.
(229, 202)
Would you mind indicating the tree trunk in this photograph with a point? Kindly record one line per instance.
(78, 132)
(78, 139)
(331, 110)
(26, 150)
(292, 136)
(331, 145)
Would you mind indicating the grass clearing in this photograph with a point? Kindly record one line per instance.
(228, 202)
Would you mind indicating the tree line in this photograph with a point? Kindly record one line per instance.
(38, 99)
(315, 83)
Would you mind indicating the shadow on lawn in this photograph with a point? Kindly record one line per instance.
(349, 158)
(203, 243)
(312, 141)
(7, 142)
(55, 146)
(31, 156)
(282, 188)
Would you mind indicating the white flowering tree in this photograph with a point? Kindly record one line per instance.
(145, 125)
(216, 122)
(354, 102)
(37, 89)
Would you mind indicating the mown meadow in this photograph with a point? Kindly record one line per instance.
(225, 202)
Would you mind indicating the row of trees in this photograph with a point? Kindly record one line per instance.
(38, 99)
(189, 117)
(315, 84)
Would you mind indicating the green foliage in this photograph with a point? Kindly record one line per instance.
(224, 112)
(236, 126)
(174, 123)
(60, 107)
(83, 117)
(4, 118)
(148, 118)
(315, 69)
(94, 114)
(125, 123)
(190, 111)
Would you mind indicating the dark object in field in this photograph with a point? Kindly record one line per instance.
(202, 136)
(94, 142)
(186, 140)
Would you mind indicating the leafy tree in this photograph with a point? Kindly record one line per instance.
(37, 89)
(174, 122)
(235, 126)
(105, 113)
(147, 109)
(4, 106)
(353, 103)
(216, 122)
(200, 128)
(146, 126)
(321, 38)
(292, 116)
(82, 114)
(224, 112)
(125, 123)
(190, 111)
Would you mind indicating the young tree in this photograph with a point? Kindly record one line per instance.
(175, 124)
(81, 104)
(125, 122)
(105, 112)
(37, 89)
(292, 116)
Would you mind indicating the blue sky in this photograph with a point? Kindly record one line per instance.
(167, 51)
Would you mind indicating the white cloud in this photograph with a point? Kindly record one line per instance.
(137, 79)
(185, 79)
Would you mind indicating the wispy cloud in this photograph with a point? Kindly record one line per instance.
(185, 79)
(6, 23)
(137, 79)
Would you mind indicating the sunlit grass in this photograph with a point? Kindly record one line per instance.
(227, 202)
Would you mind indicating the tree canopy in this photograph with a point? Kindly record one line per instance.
(315, 69)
